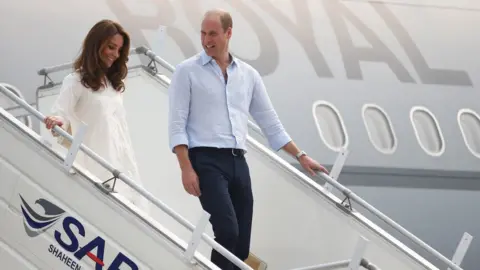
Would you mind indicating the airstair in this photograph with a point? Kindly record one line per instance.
(56, 215)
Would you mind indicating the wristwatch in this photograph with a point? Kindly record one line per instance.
(301, 153)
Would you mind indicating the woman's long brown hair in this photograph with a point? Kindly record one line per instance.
(90, 65)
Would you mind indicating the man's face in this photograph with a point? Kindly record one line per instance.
(214, 38)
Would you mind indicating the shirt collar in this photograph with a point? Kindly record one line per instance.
(205, 59)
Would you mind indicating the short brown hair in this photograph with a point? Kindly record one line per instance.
(89, 64)
(225, 18)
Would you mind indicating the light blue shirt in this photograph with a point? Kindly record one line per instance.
(205, 110)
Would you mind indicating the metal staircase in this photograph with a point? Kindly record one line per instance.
(297, 222)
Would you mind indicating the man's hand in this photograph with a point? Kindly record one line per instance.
(311, 165)
(190, 182)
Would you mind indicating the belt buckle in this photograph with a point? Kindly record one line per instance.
(233, 152)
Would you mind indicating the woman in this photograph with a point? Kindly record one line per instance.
(93, 95)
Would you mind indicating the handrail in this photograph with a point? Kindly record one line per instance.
(337, 265)
(348, 193)
(146, 51)
(129, 182)
(48, 70)
(139, 50)
(18, 93)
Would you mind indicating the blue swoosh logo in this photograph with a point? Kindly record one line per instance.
(36, 223)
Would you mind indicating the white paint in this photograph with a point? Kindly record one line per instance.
(462, 249)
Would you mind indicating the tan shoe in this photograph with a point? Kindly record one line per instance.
(255, 262)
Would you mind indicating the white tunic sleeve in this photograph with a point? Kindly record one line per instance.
(64, 106)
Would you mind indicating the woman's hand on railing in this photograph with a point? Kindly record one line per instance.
(51, 122)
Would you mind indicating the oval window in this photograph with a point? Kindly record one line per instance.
(469, 123)
(330, 126)
(427, 131)
(379, 129)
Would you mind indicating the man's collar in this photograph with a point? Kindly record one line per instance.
(205, 59)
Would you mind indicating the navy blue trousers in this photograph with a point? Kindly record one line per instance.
(226, 194)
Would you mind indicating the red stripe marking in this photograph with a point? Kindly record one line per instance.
(95, 258)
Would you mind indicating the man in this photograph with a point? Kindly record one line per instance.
(211, 95)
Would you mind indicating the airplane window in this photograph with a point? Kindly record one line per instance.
(330, 126)
(379, 129)
(469, 123)
(427, 131)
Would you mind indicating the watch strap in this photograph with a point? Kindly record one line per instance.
(301, 153)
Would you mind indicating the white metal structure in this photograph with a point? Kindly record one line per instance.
(13, 108)
(297, 221)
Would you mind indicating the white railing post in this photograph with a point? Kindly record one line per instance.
(462, 248)
(358, 253)
(160, 39)
(326, 266)
(74, 147)
(196, 236)
(337, 168)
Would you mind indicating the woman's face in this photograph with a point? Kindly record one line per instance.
(112, 50)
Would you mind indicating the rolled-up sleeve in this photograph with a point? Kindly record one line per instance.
(264, 114)
(179, 106)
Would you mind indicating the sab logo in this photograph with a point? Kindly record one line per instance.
(36, 224)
